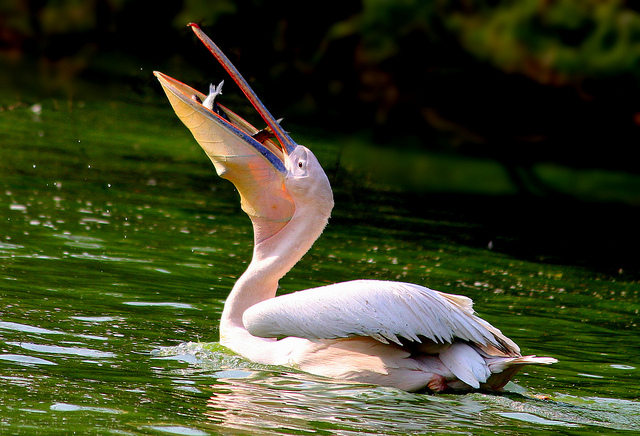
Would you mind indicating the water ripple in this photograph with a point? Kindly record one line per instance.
(25, 360)
(160, 304)
(26, 328)
(8, 325)
(66, 407)
(533, 419)
(56, 349)
(6, 246)
(104, 257)
(176, 429)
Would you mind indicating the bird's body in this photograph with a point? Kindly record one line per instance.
(384, 333)
(373, 354)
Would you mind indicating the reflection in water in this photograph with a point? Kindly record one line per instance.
(289, 404)
(266, 400)
(285, 405)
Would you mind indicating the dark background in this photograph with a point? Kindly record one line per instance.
(521, 82)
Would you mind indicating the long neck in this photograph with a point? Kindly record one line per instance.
(272, 259)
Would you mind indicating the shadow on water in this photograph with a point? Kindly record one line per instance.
(598, 236)
(589, 220)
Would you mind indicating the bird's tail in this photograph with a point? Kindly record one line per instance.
(499, 364)
(503, 369)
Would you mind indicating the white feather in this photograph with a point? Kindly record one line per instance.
(386, 311)
(466, 364)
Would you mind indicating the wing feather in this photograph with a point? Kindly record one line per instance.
(386, 311)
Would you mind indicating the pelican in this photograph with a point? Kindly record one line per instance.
(377, 332)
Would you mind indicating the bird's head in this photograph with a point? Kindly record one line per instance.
(274, 175)
(306, 181)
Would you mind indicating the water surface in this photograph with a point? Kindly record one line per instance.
(119, 244)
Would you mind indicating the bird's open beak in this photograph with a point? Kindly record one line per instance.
(246, 156)
(186, 102)
(283, 137)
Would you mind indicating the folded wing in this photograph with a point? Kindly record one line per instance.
(386, 311)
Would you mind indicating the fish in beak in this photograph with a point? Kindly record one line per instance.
(254, 160)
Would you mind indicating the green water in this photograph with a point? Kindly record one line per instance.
(118, 245)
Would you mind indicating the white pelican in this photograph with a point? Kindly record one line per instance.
(378, 332)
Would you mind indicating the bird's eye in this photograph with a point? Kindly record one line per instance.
(300, 164)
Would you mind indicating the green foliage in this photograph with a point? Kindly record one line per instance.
(384, 24)
(550, 41)
(559, 75)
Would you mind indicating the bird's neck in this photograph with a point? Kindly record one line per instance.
(272, 259)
